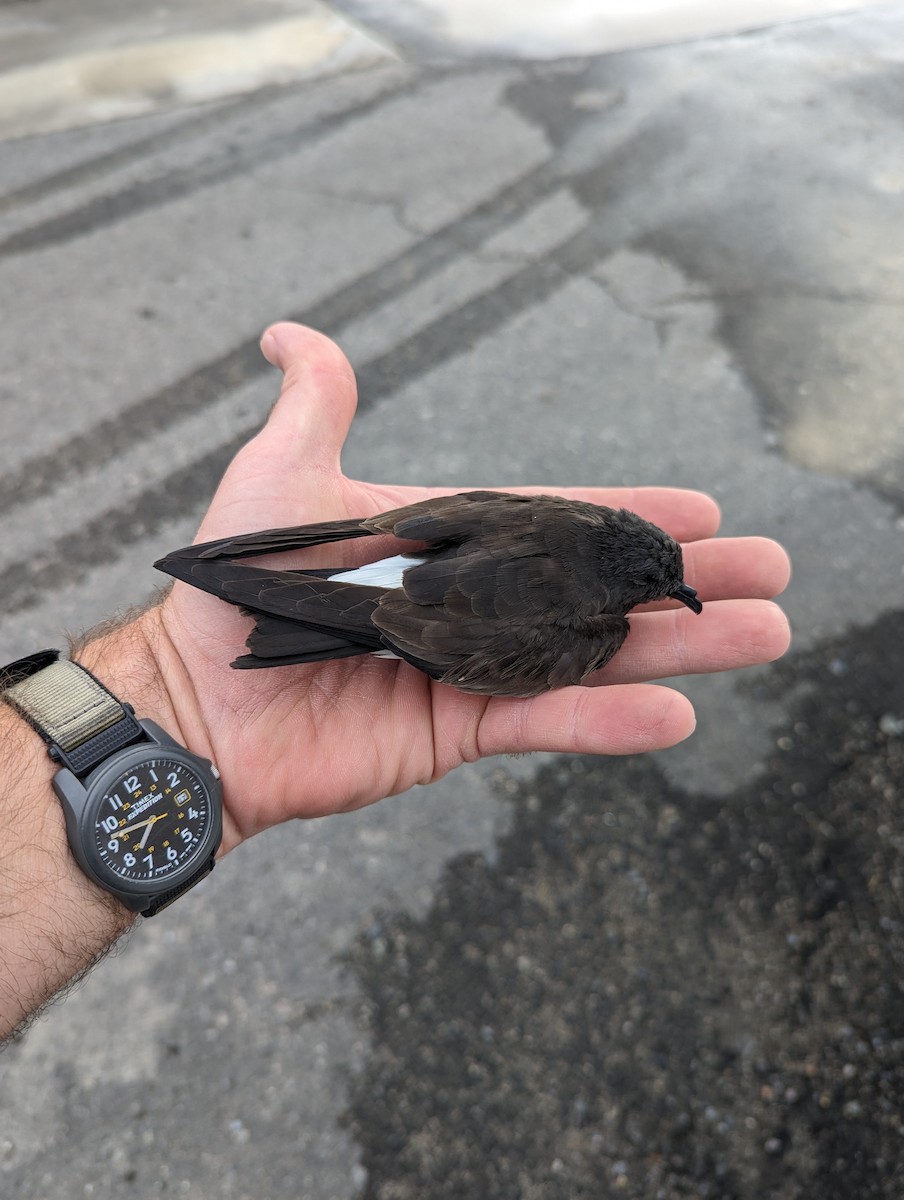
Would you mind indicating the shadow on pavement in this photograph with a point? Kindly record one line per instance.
(652, 993)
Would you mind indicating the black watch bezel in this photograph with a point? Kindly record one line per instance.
(80, 799)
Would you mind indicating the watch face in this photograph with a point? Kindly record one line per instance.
(151, 820)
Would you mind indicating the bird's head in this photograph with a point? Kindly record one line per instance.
(642, 563)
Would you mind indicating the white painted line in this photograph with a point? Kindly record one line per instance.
(560, 28)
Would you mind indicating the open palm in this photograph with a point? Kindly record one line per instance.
(310, 740)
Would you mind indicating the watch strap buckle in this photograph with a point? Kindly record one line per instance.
(82, 759)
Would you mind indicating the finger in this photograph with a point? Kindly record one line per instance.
(614, 720)
(317, 400)
(733, 568)
(728, 634)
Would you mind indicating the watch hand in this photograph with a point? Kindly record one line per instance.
(138, 825)
(128, 829)
(147, 832)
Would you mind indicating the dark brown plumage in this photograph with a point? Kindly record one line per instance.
(511, 595)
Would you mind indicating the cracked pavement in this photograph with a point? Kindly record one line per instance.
(541, 978)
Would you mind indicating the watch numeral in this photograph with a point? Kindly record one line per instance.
(131, 784)
(108, 824)
(149, 859)
(129, 860)
(113, 845)
(173, 779)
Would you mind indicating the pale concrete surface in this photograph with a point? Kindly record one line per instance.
(64, 65)
(541, 979)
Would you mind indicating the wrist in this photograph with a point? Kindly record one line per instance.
(130, 660)
(139, 664)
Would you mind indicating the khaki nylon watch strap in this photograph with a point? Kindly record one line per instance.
(66, 704)
(81, 721)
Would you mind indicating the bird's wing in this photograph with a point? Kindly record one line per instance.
(497, 655)
(487, 622)
(445, 519)
(266, 541)
(440, 519)
(486, 581)
(523, 553)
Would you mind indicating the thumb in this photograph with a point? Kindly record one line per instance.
(311, 419)
(281, 476)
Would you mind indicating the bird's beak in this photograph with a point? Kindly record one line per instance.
(688, 596)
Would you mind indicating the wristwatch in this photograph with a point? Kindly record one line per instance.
(144, 816)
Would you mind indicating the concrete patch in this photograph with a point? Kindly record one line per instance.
(138, 68)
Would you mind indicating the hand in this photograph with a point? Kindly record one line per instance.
(310, 740)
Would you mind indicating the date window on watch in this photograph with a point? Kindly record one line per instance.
(182, 797)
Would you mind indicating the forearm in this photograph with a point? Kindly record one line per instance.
(54, 921)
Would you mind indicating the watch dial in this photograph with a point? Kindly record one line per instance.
(152, 820)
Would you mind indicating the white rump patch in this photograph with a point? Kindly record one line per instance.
(386, 573)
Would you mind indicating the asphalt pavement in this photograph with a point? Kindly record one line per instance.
(545, 977)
